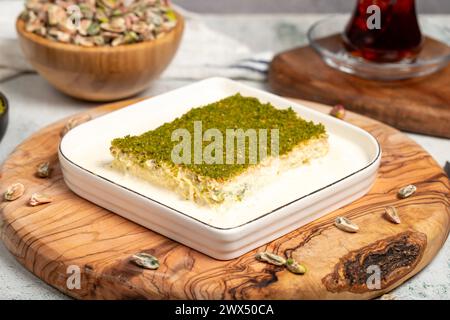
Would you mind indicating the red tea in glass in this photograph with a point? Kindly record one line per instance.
(395, 38)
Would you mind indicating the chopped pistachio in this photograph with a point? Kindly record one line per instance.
(247, 112)
(77, 22)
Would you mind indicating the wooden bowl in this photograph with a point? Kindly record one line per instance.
(3, 116)
(100, 73)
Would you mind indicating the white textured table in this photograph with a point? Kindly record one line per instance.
(35, 104)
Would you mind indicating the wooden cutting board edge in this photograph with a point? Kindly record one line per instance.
(114, 277)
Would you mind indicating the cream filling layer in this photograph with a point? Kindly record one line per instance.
(211, 192)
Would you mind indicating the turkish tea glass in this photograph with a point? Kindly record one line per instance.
(384, 31)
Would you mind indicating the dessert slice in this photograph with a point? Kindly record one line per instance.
(221, 152)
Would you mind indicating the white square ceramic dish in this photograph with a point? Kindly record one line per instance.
(292, 200)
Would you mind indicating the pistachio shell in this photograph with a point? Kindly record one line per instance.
(391, 214)
(42, 31)
(295, 267)
(60, 36)
(141, 27)
(118, 41)
(131, 37)
(407, 191)
(56, 15)
(110, 35)
(116, 25)
(270, 258)
(84, 26)
(14, 192)
(68, 26)
(145, 260)
(338, 111)
(87, 11)
(39, 198)
(109, 3)
(346, 225)
(34, 5)
(44, 169)
(112, 22)
(33, 26)
(98, 40)
(94, 29)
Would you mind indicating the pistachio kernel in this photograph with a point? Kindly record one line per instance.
(338, 111)
(295, 267)
(39, 198)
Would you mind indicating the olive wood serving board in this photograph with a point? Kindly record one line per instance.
(47, 239)
(420, 105)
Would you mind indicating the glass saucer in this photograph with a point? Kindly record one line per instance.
(325, 36)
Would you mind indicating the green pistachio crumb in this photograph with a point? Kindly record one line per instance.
(234, 112)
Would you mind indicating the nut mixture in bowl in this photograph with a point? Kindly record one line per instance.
(92, 23)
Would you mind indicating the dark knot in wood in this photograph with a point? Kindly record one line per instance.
(394, 256)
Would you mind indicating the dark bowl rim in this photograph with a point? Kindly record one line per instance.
(5, 101)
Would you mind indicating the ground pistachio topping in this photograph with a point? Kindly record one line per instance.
(234, 112)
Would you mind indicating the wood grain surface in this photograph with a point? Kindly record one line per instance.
(100, 73)
(419, 105)
(73, 232)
